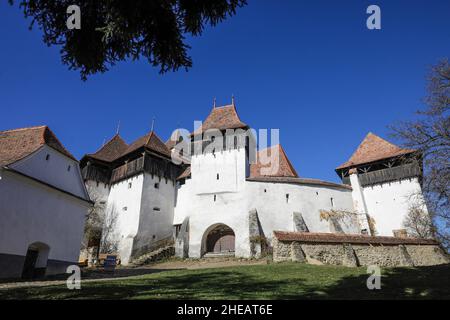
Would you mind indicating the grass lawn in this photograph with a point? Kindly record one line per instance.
(273, 281)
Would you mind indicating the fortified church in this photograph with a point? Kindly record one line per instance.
(229, 201)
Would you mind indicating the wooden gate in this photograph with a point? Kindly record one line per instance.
(220, 240)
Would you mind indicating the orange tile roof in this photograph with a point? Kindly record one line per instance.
(374, 148)
(222, 118)
(111, 150)
(285, 167)
(347, 238)
(19, 143)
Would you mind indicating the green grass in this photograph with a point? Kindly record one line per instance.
(273, 281)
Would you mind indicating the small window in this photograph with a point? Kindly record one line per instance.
(157, 185)
(265, 190)
(215, 198)
(125, 208)
(332, 202)
(68, 168)
(287, 197)
(218, 176)
(156, 209)
(177, 228)
(130, 185)
(47, 157)
(317, 193)
(154, 237)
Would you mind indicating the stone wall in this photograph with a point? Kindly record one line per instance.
(353, 255)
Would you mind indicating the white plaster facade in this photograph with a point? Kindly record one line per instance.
(43, 202)
(142, 207)
(388, 203)
(207, 200)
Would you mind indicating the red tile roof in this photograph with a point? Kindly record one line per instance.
(300, 181)
(150, 141)
(19, 143)
(285, 167)
(374, 148)
(111, 150)
(347, 238)
(222, 118)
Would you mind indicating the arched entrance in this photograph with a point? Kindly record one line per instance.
(219, 239)
(36, 260)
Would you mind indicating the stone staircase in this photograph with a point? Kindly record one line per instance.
(157, 255)
(219, 255)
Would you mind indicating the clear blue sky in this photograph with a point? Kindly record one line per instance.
(310, 68)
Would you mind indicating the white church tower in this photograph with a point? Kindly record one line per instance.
(386, 182)
(212, 195)
(137, 185)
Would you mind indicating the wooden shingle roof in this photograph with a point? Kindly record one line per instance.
(111, 150)
(18, 143)
(373, 148)
(150, 141)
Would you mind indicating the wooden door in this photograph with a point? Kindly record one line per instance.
(224, 244)
(30, 264)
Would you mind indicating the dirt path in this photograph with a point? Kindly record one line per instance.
(92, 275)
(192, 264)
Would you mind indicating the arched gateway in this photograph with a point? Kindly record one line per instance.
(35, 260)
(218, 239)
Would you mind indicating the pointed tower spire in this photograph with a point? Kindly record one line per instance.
(232, 100)
(118, 128)
(214, 102)
(153, 124)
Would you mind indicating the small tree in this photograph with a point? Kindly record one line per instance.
(418, 222)
(93, 226)
(109, 242)
(99, 230)
(430, 135)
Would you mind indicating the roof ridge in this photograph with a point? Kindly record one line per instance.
(150, 134)
(374, 148)
(224, 106)
(106, 143)
(67, 153)
(288, 161)
(235, 112)
(24, 128)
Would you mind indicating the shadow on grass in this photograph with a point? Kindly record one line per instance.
(283, 281)
(89, 274)
(431, 282)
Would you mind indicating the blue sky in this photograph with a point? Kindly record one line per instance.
(310, 68)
